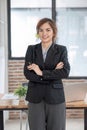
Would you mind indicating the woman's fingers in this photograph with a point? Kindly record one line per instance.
(60, 65)
(32, 67)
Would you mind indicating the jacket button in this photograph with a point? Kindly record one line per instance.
(41, 79)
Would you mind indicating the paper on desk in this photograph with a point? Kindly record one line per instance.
(9, 96)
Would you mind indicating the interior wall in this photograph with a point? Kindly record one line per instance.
(3, 47)
(71, 3)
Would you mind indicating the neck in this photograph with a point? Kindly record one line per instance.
(46, 45)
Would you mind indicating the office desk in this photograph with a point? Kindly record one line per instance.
(7, 105)
(79, 105)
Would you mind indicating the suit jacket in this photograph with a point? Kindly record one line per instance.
(49, 86)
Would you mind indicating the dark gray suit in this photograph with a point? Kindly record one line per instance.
(49, 86)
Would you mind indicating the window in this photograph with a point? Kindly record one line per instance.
(23, 31)
(24, 16)
(72, 26)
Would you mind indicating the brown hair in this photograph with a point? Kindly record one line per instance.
(51, 23)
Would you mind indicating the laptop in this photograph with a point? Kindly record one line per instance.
(75, 91)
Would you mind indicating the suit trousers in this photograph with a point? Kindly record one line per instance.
(44, 116)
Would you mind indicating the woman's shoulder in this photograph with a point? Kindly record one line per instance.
(58, 46)
(33, 45)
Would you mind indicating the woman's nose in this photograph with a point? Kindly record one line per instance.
(44, 32)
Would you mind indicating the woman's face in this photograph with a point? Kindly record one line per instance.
(46, 33)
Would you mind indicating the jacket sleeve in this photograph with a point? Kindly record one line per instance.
(30, 75)
(58, 74)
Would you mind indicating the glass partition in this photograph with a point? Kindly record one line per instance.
(72, 32)
(24, 17)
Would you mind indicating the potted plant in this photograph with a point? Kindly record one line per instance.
(21, 91)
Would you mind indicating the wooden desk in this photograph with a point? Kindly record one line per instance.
(79, 105)
(7, 105)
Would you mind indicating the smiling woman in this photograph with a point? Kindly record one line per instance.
(45, 88)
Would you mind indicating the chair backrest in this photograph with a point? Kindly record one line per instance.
(25, 84)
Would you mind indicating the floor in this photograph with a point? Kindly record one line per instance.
(71, 124)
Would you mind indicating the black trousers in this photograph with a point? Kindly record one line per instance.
(43, 116)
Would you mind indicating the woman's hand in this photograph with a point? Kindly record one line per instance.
(59, 65)
(38, 71)
(35, 68)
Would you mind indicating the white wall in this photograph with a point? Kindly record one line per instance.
(71, 3)
(47, 3)
(3, 47)
(3, 51)
(30, 3)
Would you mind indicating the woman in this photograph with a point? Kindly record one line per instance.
(46, 64)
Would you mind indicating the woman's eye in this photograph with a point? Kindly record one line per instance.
(48, 30)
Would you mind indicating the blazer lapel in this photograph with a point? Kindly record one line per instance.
(39, 54)
(50, 54)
